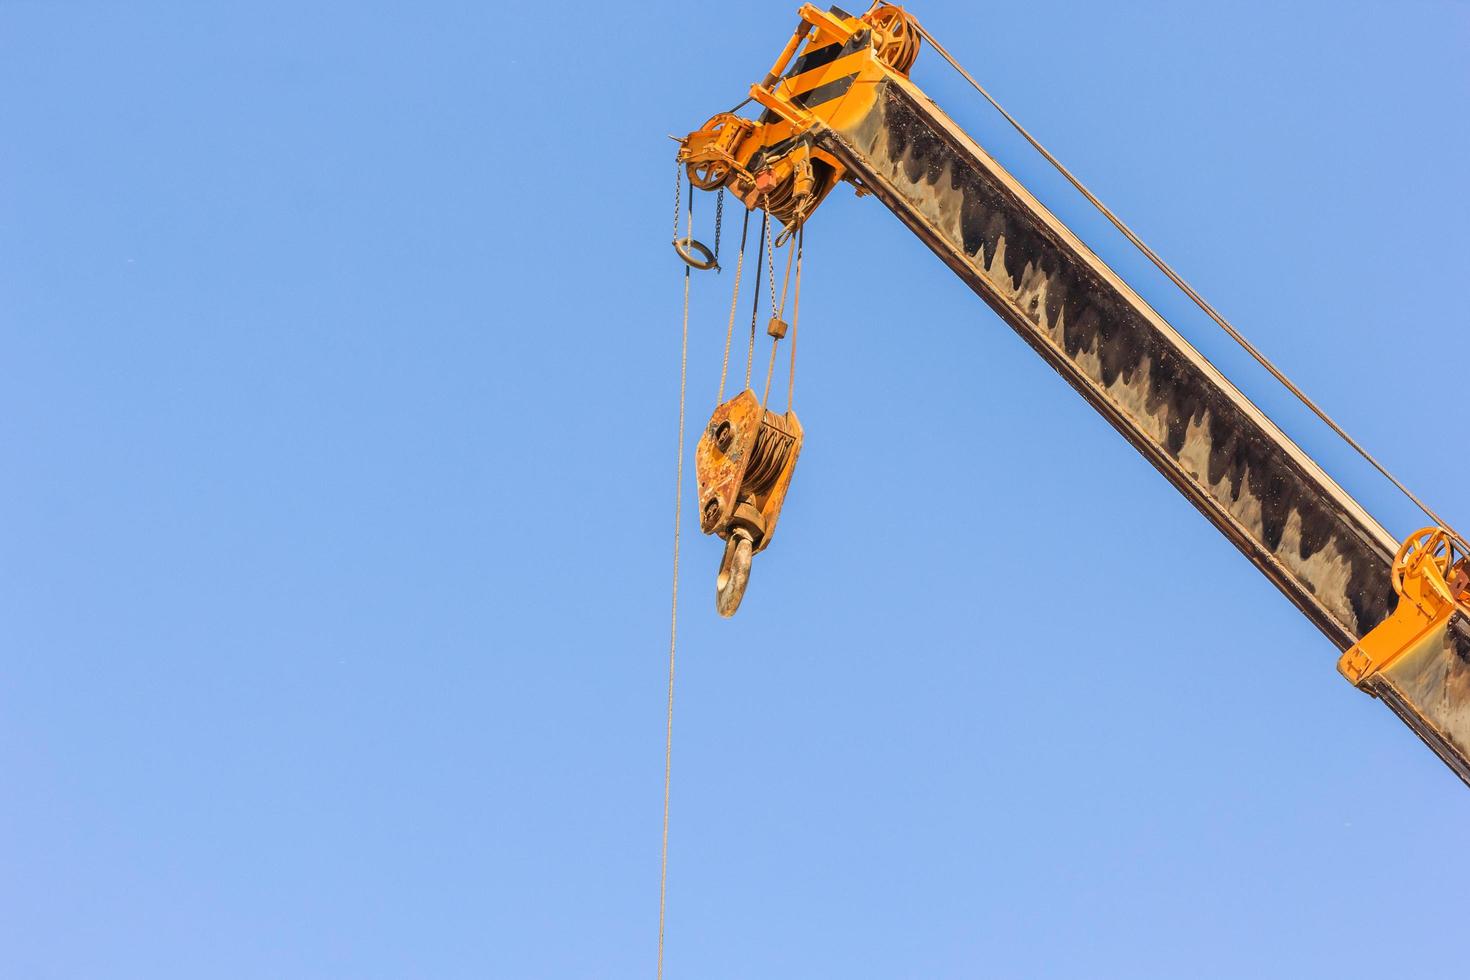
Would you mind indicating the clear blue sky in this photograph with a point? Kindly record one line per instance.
(339, 353)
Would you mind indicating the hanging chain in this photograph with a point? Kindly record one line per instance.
(778, 311)
(755, 299)
(678, 195)
(771, 269)
(719, 219)
(734, 300)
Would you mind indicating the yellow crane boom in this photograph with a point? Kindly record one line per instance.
(838, 106)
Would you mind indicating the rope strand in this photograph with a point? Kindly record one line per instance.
(778, 311)
(755, 301)
(663, 873)
(734, 299)
(795, 318)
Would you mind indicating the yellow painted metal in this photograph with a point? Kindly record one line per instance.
(771, 162)
(1431, 574)
(819, 97)
(743, 465)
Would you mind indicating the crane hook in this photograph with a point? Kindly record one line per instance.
(734, 572)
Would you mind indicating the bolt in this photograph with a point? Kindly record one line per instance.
(724, 436)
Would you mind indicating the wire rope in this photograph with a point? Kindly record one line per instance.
(1187, 289)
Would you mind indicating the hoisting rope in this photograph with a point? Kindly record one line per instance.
(795, 318)
(1186, 288)
(755, 300)
(663, 872)
(734, 299)
(778, 310)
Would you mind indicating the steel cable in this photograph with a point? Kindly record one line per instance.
(1187, 289)
(734, 300)
(663, 872)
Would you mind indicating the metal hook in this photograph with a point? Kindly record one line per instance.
(734, 572)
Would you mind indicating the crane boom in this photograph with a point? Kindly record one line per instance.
(846, 111)
(1302, 530)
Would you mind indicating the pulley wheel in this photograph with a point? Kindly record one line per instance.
(1435, 542)
(900, 45)
(734, 573)
(710, 174)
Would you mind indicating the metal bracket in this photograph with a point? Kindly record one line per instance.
(1431, 574)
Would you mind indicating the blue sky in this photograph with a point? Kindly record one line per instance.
(340, 377)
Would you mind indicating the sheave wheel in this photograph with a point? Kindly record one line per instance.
(709, 174)
(900, 41)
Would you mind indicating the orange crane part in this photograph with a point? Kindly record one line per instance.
(838, 107)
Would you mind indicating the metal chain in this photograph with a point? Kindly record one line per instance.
(755, 301)
(1189, 290)
(779, 311)
(719, 218)
(771, 267)
(678, 194)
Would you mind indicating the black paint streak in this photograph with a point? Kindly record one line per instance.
(1459, 638)
(1097, 319)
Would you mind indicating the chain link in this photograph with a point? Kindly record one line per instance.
(719, 219)
(678, 194)
(755, 299)
(771, 268)
(779, 309)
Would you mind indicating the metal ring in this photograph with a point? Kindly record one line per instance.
(686, 247)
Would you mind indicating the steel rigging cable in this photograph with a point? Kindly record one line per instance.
(1187, 289)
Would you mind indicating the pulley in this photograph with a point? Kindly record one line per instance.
(778, 162)
(743, 466)
(1431, 574)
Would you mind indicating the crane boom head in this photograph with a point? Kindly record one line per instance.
(773, 162)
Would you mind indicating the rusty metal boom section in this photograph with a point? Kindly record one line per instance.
(869, 125)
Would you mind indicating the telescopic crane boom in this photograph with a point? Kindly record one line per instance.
(838, 106)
